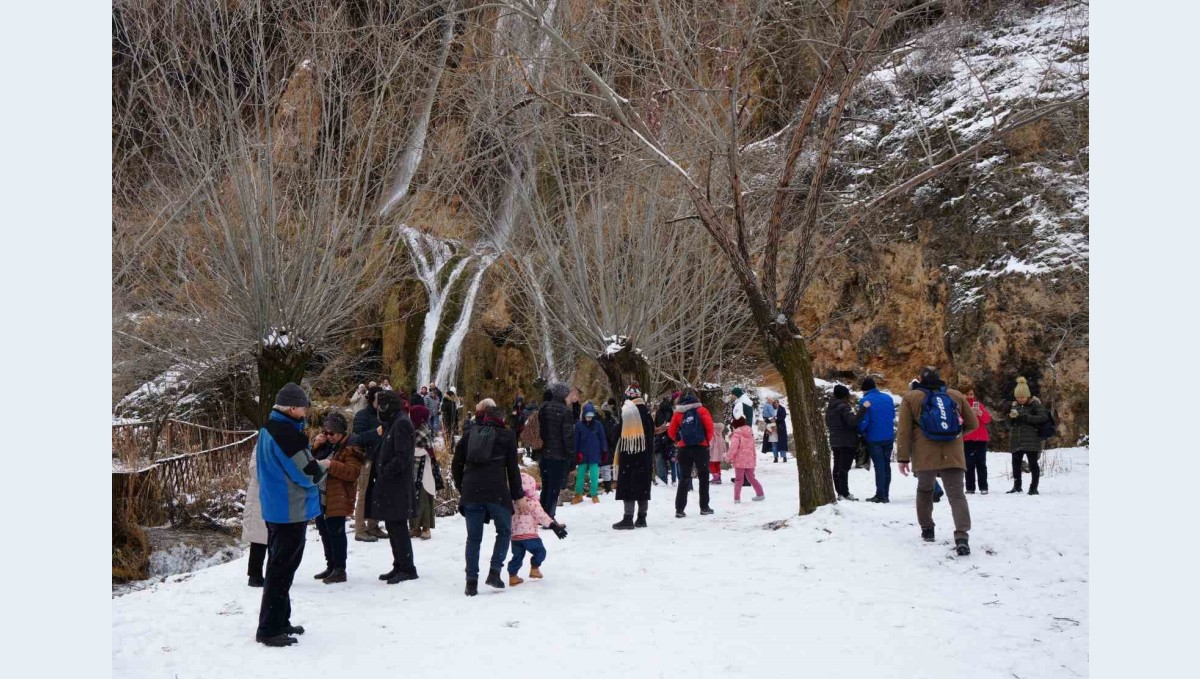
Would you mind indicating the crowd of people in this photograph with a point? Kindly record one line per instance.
(382, 470)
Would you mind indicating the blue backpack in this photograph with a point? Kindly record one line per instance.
(939, 416)
(691, 429)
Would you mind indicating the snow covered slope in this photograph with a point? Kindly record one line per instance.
(848, 592)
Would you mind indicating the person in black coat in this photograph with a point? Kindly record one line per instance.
(366, 422)
(487, 489)
(391, 493)
(635, 465)
(557, 429)
(843, 438)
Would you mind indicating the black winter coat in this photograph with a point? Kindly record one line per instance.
(365, 423)
(498, 481)
(842, 424)
(558, 431)
(636, 470)
(781, 425)
(1023, 429)
(391, 494)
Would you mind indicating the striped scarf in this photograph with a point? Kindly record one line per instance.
(633, 436)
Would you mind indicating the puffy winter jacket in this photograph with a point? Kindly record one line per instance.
(288, 476)
(927, 455)
(526, 519)
(557, 429)
(717, 447)
(842, 425)
(877, 422)
(685, 404)
(768, 411)
(366, 422)
(253, 527)
(497, 481)
(980, 434)
(341, 482)
(741, 448)
(590, 439)
(1023, 429)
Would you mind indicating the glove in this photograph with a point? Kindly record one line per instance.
(560, 531)
(578, 458)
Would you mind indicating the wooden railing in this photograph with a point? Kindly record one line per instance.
(149, 441)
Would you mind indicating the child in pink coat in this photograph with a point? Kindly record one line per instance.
(716, 452)
(527, 516)
(743, 458)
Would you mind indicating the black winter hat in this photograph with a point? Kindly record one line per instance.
(387, 403)
(291, 396)
(841, 391)
(929, 375)
(335, 422)
(868, 383)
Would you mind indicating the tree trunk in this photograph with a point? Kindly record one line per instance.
(789, 354)
(622, 367)
(276, 367)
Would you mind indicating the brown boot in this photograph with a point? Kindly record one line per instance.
(377, 532)
(535, 572)
(514, 580)
(414, 532)
(595, 499)
(577, 499)
(425, 534)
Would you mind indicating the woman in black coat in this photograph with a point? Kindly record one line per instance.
(635, 468)
(843, 438)
(391, 494)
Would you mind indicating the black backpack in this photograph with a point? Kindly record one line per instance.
(480, 442)
(1048, 428)
(691, 429)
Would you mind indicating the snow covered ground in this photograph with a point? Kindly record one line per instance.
(850, 591)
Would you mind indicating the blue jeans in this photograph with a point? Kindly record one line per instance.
(881, 458)
(537, 552)
(665, 468)
(434, 420)
(777, 452)
(502, 517)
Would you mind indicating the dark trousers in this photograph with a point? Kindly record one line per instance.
(285, 549)
(843, 459)
(402, 551)
(1034, 469)
(692, 457)
(554, 474)
(881, 457)
(333, 539)
(537, 554)
(976, 454)
(501, 516)
(258, 556)
(926, 482)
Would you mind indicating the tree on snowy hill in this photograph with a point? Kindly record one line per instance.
(775, 209)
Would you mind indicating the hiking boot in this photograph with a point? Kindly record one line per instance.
(402, 576)
(680, 515)
(625, 523)
(378, 532)
(365, 537)
(595, 499)
(514, 580)
(641, 521)
(425, 534)
(277, 641)
(927, 534)
(295, 629)
(388, 575)
(961, 547)
(759, 498)
(335, 576)
(983, 492)
(1033, 491)
(850, 497)
(256, 581)
(706, 511)
(472, 587)
(1014, 490)
(535, 573)
(876, 498)
(970, 492)
(493, 579)
(577, 499)
(323, 574)
(414, 533)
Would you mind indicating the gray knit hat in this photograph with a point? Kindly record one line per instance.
(291, 396)
(560, 391)
(335, 422)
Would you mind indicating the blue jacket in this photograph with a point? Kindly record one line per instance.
(288, 476)
(877, 423)
(768, 410)
(590, 439)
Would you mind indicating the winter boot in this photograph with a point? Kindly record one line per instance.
(493, 579)
(414, 532)
(324, 574)
(472, 587)
(388, 575)
(641, 521)
(277, 641)
(759, 498)
(535, 573)
(680, 514)
(716, 479)
(577, 499)
(335, 576)
(706, 511)
(1033, 491)
(850, 497)
(256, 581)
(1016, 489)
(295, 630)
(927, 534)
(425, 534)
(595, 499)
(625, 523)
(514, 580)
(378, 532)
(401, 576)
(365, 536)
(961, 547)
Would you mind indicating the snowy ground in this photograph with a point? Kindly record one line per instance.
(848, 592)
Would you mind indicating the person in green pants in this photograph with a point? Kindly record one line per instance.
(591, 445)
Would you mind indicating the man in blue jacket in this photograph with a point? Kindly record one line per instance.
(288, 480)
(877, 425)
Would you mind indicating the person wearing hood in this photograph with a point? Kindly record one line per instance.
(338, 494)
(928, 439)
(742, 405)
(634, 463)
(557, 429)
(781, 427)
(391, 492)
(590, 446)
(691, 429)
(743, 459)
(842, 424)
(1026, 413)
(289, 494)
(876, 424)
(358, 400)
(525, 539)
(426, 474)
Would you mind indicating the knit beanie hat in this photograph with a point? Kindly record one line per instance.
(737, 392)
(841, 392)
(634, 391)
(868, 383)
(334, 422)
(291, 396)
(1022, 390)
(560, 391)
(419, 415)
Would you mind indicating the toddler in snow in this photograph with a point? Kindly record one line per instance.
(716, 451)
(527, 517)
(743, 458)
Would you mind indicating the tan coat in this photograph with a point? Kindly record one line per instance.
(927, 455)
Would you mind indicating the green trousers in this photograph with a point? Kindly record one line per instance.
(592, 471)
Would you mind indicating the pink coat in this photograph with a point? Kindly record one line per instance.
(525, 521)
(716, 447)
(741, 448)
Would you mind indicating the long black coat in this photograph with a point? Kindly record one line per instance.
(635, 470)
(842, 424)
(391, 494)
(498, 481)
(781, 424)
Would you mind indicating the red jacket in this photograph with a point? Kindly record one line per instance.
(677, 419)
(981, 432)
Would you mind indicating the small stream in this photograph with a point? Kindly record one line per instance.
(183, 550)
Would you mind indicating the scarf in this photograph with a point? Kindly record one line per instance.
(424, 461)
(633, 435)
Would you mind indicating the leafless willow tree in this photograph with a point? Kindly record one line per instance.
(775, 209)
(254, 144)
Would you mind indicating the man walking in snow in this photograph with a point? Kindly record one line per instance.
(924, 412)
(877, 425)
(557, 426)
(288, 480)
(691, 429)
